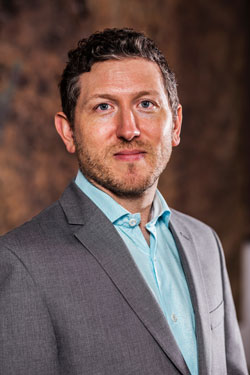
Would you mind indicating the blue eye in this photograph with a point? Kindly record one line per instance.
(103, 106)
(146, 104)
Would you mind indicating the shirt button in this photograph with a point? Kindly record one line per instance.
(132, 222)
(174, 318)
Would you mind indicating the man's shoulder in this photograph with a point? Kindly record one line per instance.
(45, 221)
(53, 226)
(200, 238)
(199, 230)
(189, 220)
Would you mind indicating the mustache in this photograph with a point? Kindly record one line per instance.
(130, 145)
(118, 146)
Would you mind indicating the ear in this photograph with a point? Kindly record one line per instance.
(177, 127)
(65, 131)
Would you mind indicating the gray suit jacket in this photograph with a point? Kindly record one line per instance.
(72, 300)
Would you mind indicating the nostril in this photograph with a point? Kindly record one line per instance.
(129, 135)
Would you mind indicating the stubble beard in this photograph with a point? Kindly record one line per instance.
(131, 186)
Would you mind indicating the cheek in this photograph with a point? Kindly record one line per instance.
(158, 126)
(167, 127)
(159, 133)
(92, 135)
(98, 129)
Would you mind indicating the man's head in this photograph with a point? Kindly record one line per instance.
(121, 114)
(111, 44)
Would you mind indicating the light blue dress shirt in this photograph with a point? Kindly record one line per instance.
(159, 263)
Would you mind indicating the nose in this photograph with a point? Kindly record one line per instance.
(127, 127)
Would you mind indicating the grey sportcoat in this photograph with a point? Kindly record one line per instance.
(72, 300)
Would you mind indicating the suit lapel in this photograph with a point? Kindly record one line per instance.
(98, 235)
(190, 262)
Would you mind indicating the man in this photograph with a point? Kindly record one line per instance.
(108, 280)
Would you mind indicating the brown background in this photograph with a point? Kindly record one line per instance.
(206, 42)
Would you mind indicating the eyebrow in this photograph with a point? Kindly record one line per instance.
(113, 97)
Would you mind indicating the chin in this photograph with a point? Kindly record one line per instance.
(123, 188)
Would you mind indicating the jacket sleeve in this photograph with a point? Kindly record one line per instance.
(235, 356)
(27, 340)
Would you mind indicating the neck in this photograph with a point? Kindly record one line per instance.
(142, 204)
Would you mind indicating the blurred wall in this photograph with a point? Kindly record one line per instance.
(206, 45)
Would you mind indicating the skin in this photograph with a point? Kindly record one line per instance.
(124, 131)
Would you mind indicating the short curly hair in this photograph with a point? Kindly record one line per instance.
(111, 44)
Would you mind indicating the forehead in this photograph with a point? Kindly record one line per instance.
(122, 76)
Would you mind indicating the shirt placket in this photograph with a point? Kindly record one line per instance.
(154, 262)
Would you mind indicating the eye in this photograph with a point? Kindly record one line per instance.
(146, 104)
(102, 107)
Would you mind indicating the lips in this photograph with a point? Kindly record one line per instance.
(130, 155)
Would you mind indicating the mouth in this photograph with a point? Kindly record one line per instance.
(129, 155)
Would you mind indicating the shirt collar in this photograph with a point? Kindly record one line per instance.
(160, 209)
(114, 210)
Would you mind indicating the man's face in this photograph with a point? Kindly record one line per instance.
(124, 128)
